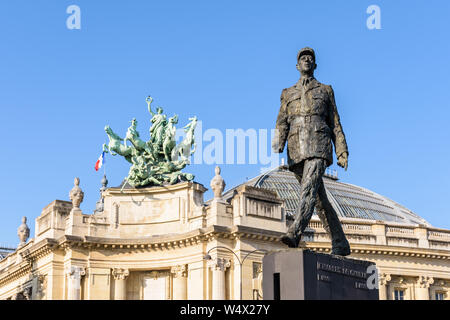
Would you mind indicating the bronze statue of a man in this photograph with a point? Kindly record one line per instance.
(309, 121)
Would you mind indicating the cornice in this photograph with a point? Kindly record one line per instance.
(27, 255)
(15, 272)
(381, 250)
(40, 249)
(142, 191)
(192, 238)
(176, 241)
(166, 242)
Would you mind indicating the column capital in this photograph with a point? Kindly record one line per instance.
(179, 271)
(120, 273)
(425, 281)
(384, 278)
(219, 264)
(27, 293)
(74, 274)
(75, 271)
(441, 283)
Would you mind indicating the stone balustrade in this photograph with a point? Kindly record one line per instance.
(384, 233)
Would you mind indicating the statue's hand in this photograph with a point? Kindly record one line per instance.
(343, 160)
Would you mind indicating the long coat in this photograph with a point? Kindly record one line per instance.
(309, 121)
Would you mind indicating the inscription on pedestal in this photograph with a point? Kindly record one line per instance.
(306, 275)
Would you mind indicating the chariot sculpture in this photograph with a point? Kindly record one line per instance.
(159, 160)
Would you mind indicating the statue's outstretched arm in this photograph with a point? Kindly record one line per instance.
(149, 105)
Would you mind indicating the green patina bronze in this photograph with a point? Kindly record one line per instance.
(160, 160)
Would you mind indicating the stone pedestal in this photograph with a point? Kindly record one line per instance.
(152, 211)
(296, 274)
(218, 214)
(75, 224)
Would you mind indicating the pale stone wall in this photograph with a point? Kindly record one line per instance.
(152, 243)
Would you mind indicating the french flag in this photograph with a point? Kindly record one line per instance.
(100, 161)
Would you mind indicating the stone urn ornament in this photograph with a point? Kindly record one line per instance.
(76, 194)
(217, 185)
(99, 206)
(23, 232)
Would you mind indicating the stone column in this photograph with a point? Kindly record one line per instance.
(422, 287)
(179, 282)
(120, 283)
(384, 278)
(218, 266)
(41, 287)
(74, 282)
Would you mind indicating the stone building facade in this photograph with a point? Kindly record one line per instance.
(168, 243)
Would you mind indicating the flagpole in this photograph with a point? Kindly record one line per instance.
(104, 163)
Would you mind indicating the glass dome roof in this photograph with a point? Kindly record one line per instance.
(348, 200)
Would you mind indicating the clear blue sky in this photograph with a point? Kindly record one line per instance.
(226, 62)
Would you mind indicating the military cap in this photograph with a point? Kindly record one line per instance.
(306, 50)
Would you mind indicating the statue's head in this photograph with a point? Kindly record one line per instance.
(306, 61)
(134, 122)
(159, 110)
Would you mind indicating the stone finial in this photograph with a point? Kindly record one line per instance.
(23, 232)
(217, 185)
(104, 183)
(76, 194)
(99, 206)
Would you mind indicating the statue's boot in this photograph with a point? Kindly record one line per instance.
(341, 249)
(290, 239)
(331, 223)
